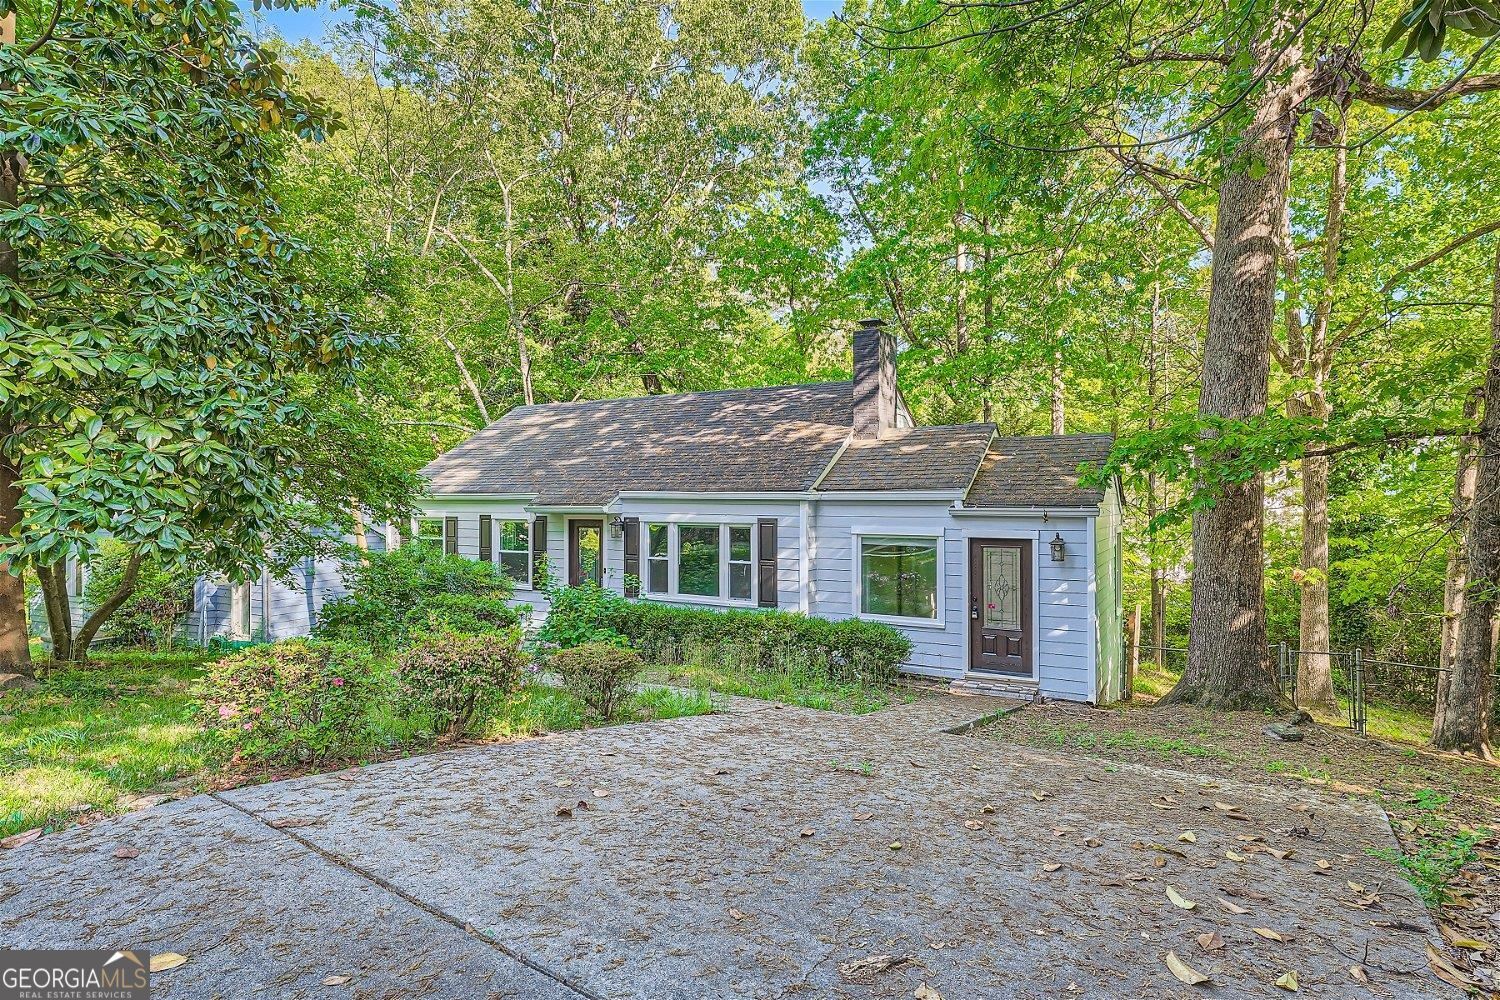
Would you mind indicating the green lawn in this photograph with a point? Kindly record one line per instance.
(84, 740)
(87, 740)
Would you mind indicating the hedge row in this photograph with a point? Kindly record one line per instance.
(776, 641)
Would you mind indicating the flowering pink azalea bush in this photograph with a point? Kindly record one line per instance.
(296, 700)
(454, 678)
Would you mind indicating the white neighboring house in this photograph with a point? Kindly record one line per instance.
(264, 609)
(823, 499)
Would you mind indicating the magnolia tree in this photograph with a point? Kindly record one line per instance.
(169, 366)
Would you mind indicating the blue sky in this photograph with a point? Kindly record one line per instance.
(310, 23)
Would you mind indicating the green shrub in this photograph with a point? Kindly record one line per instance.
(417, 588)
(150, 616)
(599, 674)
(851, 650)
(454, 678)
(582, 614)
(295, 700)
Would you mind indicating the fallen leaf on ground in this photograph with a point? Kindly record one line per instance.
(714, 772)
(1288, 980)
(1178, 900)
(1092, 842)
(974, 824)
(127, 852)
(1323, 865)
(1267, 933)
(1279, 855)
(1211, 941)
(873, 963)
(861, 817)
(737, 914)
(1185, 973)
(1188, 837)
(1231, 907)
(895, 845)
(1356, 887)
(1359, 975)
(564, 811)
(1472, 944)
(17, 839)
(564, 782)
(336, 980)
(1039, 796)
(807, 831)
(292, 823)
(1447, 971)
(601, 793)
(1232, 856)
(1051, 866)
(346, 776)
(166, 960)
(925, 992)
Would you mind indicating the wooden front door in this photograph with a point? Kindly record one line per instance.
(1000, 606)
(585, 552)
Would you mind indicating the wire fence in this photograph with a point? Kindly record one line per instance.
(1358, 680)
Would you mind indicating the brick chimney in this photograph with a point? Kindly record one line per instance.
(874, 379)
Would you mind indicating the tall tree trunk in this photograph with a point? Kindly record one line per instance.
(1314, 673)
(15, 644)
(1457, 576)
(1154, 567)
(96, 619)
(987, 382)
(53, 578)
(1464, 723)
(1228, 661)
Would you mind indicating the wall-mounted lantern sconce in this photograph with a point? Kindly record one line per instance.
(1059, 548)
(616, 527)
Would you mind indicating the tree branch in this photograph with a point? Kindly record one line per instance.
(1403, 99)
(1166, 55)
(1146, 173)
(1385, 290)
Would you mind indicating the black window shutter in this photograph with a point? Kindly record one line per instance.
(766, 561)
(632, 556)
(485, 537)
(450, 535)
(538, 550)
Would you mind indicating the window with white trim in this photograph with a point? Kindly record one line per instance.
(898, 576)
(430, 530)
(658, 556)
(741, 568)
(514, 550)
(713, 562)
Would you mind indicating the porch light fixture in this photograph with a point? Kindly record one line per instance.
(1059, 547)
(616, 527)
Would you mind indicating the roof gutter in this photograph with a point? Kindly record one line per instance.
(1082, 510)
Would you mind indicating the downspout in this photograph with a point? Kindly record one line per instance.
(804, 558)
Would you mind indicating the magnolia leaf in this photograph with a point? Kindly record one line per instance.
(1185, 973)
(1188, 837)
(1288, 980)
(1178, 900)
(1232, 907)
(1267, 933)
(166, 960)
(1210, 941)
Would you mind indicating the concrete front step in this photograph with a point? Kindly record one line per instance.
(997, 688)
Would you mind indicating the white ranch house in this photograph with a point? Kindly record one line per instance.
(823, 499)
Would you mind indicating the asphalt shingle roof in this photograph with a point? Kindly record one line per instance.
(772, 440)
(1038, 471)
(777, 439)
(915, 458)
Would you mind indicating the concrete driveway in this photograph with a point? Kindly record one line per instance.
(762, 852)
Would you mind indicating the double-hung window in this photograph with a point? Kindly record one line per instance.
(514, 551)
(430, 531)
(708, 562)
(898, 576)
(658, 559)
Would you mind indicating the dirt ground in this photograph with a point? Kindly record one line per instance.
(1444, 808)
